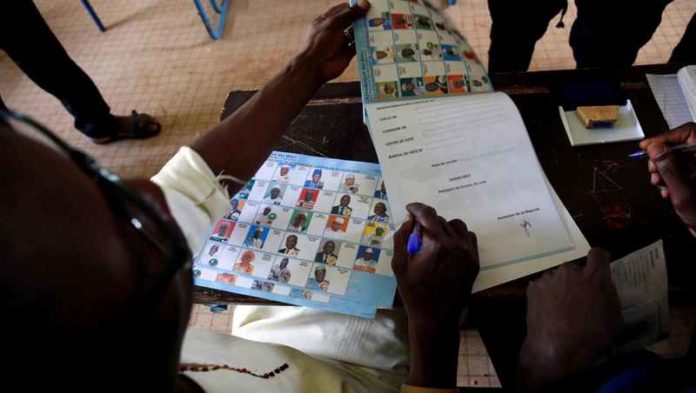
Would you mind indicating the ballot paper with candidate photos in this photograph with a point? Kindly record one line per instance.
(408, 49)
(308, 231)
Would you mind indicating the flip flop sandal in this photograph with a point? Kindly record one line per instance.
(140, 131)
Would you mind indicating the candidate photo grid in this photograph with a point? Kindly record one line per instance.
(414, 52)
(300, 226)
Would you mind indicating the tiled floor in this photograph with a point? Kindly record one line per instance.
(157, 58)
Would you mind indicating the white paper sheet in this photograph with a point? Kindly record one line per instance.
(489, 278)
(640, 279)
(670, 98)
(470, 158)
(687, 82)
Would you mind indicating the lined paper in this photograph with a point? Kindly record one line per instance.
(670, 98)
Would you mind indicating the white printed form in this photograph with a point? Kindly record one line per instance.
(470, 158)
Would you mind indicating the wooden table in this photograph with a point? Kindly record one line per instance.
(609, 196)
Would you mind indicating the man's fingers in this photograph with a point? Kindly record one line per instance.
(348, 14)
(446, 227)
(400, 242)
(335, 10)
(677, 182)
(597, 262)
(655, 179)
(474, 241)
(459, 228)
(426, 216)
(682, 134)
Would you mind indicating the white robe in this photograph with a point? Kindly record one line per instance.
(325, 352)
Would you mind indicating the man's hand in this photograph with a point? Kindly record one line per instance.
(573, 315)
(434, 285)
(675, 172)
(327, 44)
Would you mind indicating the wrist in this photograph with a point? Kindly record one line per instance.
(305, 66)
(434, 354)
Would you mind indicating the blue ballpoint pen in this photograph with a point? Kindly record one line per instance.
(684, 147)
(415, 240)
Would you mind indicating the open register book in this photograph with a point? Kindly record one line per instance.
(467, 155)
(676, 95)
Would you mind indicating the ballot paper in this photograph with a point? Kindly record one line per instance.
(309, 231)
(407, 49)
(470, 157)
(640, 279)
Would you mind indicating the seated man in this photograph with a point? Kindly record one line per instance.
(101, 295)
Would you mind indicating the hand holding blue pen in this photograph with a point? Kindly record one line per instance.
(415, 240)
(435, 263)
(672, 169)
(683, 148)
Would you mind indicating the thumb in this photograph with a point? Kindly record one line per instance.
(665, 160)
(400, 242)
(357, 10)
(598, 263)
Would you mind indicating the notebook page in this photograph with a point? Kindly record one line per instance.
(670, 99)
(687, 83)
(470, 157)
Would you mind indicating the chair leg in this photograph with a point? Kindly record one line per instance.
(94, 15)
(221, 9)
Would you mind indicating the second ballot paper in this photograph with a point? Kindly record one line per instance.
(470, 157)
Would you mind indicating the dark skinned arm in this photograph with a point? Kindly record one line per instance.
(259, 123)
(435, 286)
(254, 128)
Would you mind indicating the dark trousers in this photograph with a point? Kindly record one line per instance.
(27, 39)
(606, 34)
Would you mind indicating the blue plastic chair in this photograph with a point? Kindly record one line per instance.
(215, 33)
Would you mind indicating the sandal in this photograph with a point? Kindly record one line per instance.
(140, 128)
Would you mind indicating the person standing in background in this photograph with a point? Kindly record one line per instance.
(30, 43)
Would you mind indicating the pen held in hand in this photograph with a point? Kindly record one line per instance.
(415, 240)
(683, 148)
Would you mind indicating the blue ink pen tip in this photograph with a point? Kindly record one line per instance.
(415, 242)
(637, 155)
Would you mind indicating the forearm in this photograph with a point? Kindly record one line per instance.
(239, 144)
(434, 355)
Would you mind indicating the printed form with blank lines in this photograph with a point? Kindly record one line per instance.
(470, 158)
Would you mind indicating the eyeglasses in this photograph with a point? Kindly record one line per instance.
(125, 203)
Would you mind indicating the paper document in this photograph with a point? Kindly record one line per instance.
(489, 278)
(470, 158)
(670, 98)
(309, 231)
(687, 81)
(640, 279)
